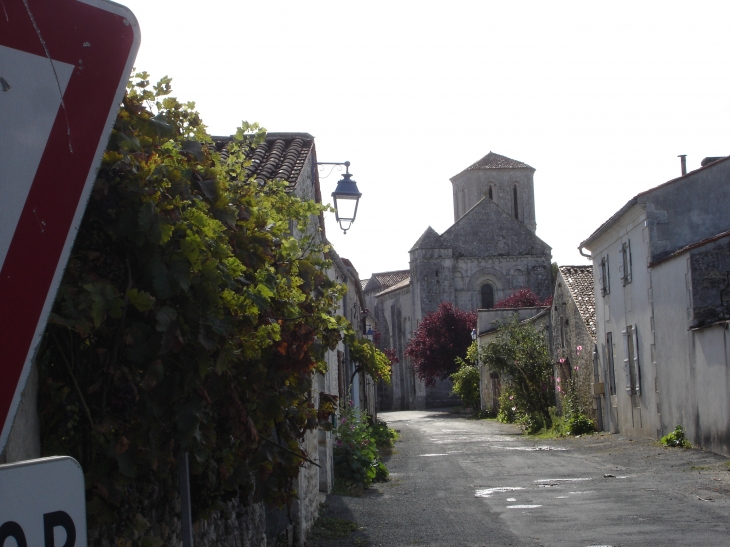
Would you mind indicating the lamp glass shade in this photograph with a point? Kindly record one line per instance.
(346, 197)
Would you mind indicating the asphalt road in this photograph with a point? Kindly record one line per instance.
(461, 482)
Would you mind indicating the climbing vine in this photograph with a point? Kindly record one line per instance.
(188, 319)
(369, 359)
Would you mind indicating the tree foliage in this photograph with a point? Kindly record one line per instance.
(520, 356)
(466, 378)
(188, 319)
(442, 336)
(369, 359)
(523, 298)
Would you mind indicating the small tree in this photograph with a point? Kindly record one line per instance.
(442, 336)
(466, 379)
(524, 298)
(520, 355)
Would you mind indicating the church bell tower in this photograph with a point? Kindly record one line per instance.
(507, 182)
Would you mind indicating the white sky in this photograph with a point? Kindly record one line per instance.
(599, 98)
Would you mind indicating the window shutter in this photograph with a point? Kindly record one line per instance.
(637, 374)
(628, 267)
(627, 371)
(608, 277)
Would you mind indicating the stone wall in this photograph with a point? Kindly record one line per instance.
(469, 187)
(569, 331)
(237, 524)
(710, 266)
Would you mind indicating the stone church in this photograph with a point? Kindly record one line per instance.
(489, 252)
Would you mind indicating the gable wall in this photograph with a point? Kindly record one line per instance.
(688, 210)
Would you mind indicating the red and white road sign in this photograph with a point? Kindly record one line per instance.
(64, 66)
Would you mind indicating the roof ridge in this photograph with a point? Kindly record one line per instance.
(495, 161)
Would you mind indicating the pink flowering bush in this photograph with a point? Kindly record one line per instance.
(356, 458)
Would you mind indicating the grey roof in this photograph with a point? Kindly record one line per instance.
(398, 286)
(381, 281)
(280, 157)
(496, 161)
(579, 281)
(428, 240)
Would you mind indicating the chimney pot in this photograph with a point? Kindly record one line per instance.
(683, 159)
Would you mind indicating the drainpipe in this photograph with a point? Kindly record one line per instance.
(580, 250)
(683, 159)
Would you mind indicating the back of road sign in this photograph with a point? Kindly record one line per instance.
(64, 66)
(42, 503)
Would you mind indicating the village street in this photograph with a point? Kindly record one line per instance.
(456, 481)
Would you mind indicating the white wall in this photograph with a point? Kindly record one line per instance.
(693, 366)
(627, 305)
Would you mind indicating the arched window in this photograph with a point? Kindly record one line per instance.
(491, 195)
(514, 194)
(487, 296)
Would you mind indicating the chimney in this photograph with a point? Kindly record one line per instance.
(684, 163)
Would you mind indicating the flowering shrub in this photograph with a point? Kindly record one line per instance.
(520, 356)
(356, 457)
(524, 298)
(576, 420)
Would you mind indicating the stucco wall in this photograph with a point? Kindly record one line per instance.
(688, 209)
(693, 365)
(630, 304)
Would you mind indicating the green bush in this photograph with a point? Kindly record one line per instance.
(576, 420)
(466, 382)
(384, 436)
(356, 457)
(520, 356)
(676, 438)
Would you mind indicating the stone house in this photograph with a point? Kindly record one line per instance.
(488, 324)
(661, 276)
(388, 298)
(573, 323)
(489, 252)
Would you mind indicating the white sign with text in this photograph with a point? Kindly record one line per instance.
(42, 503)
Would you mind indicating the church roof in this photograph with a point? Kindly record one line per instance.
(496, 161)
(384, 280)
(487, 230)
(398, 286)
(428, 240)
(579, 281)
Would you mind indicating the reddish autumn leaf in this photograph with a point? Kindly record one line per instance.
(442, 336)
(524, 298)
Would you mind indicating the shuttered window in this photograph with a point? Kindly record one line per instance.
(632, 369)
(611, 369)
(626, 263)
(604, 277)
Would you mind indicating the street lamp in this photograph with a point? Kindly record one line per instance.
(346, 197)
